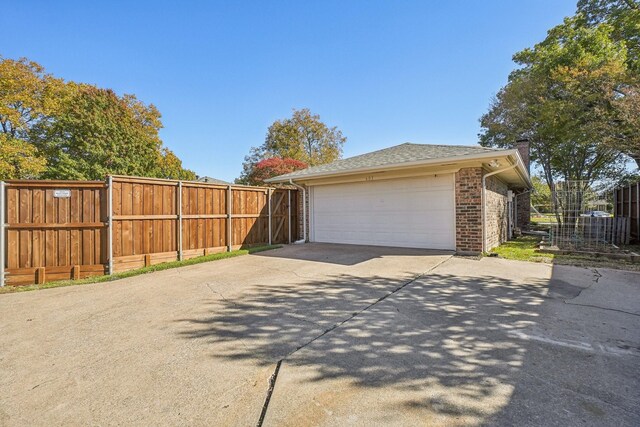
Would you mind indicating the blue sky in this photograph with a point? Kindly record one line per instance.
(384, 72)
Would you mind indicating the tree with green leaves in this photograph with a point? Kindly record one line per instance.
(28, 96)
(303, 137)
(97, 133)
(562, 99)
(540, 196)
(618, 125)
(169, 166)
(624, 18)
(54, 129)
(19, 159)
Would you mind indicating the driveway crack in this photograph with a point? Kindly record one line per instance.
(594, 281)
(301, 319)
(221, 296)
(357, 313)
(274, 376)
(596, 277)
(272, 385)
(285, 271)
(225, 299)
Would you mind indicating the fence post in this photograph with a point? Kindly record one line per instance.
(110, 222)
(289, 213)
(269, 203)
(179, 220)
(629, 201)
(2, 242)
(229, 229)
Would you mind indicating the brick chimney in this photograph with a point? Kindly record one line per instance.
(522, 145)
(523, 200)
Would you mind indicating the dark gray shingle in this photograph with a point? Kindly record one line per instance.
(210, 180)
(402, 153)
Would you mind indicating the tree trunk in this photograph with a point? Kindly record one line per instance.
(554, 195)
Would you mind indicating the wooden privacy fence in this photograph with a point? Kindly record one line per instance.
(626, 203)
(53, 230)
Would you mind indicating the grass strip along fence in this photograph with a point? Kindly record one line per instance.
(137, 272)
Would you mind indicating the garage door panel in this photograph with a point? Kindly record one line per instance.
(392, 202)
(416, 212)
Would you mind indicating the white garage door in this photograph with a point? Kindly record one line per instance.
(411, 213)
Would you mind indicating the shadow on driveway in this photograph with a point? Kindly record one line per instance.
(442, 349)
(443, 333)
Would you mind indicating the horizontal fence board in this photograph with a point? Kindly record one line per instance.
(142, 217)
(54, 184)
(39, 225)
(51, 233)
(60, 269)
(27, 276)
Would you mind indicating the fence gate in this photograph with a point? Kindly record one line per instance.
(284, 216)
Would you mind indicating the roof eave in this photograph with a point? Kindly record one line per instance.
(522, 171)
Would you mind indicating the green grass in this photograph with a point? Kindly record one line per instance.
(144, 270)
(524, 249)
(544, 219)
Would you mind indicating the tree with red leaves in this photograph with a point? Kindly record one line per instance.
(274, 166)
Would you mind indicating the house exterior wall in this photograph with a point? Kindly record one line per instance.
(468, 201)
(469, 207)
(468, 211)
(303, 206)
(497, 212)
(523, 201)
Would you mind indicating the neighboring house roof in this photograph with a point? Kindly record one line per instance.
(403, 155)
(210, 180)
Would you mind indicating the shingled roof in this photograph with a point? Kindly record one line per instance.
(210, 180)
(403, 153)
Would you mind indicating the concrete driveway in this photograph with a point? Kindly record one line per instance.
(361, 336)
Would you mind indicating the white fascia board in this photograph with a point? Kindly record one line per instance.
(489, 155)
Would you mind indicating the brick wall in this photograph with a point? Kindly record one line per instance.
(524, 200)
(524, 210)
(469, 210)
(301, 216)
(497, 212)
